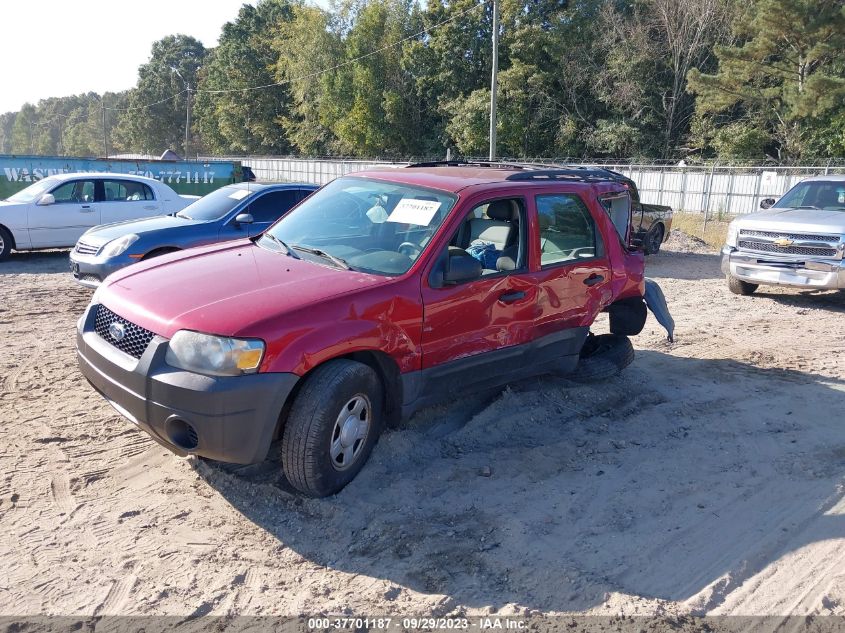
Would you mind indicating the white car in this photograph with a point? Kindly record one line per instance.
(55, 211)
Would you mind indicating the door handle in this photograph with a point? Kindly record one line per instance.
(593, 279)
(510, 297)
(150, 207)
(87, 208)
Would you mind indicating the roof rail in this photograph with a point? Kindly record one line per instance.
(537, 171)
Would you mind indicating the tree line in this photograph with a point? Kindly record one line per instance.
(637, 79)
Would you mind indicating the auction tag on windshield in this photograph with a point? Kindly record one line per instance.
(240, 194)
(411, 211)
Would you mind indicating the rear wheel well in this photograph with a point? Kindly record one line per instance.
(387, 371)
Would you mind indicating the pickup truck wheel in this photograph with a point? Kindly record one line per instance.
(739, 287)
(603, 356)
(654, 239)
(5, 243)
(332, 427)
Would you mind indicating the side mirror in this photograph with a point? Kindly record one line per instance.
(46, 199)
(244, 218)
(462, 268)
(766, 203)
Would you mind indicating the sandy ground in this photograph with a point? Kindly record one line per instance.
(707, 479)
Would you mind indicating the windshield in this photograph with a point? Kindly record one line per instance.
(815, 194)
(363, 224)
(34, 191)
(215, 205)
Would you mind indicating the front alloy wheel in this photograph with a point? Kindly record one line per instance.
(350, 432)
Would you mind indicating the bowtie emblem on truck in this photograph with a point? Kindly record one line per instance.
(783, 242)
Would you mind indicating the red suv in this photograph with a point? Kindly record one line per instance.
(382, 293)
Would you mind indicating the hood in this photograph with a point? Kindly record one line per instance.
(107, 232)
(795, 221)
(222, 289)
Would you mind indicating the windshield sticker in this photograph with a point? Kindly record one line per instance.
(411, 211)
(240, 194)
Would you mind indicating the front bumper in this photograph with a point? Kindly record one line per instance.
(90, 270)
(783, 270)
(232, 419)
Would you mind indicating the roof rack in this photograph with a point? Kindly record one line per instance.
(537, 171)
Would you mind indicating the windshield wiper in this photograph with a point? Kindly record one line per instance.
(807, 206)
(183, 216)
(341, 263)
(287, 249)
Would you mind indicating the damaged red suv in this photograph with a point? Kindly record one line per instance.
(382, 293)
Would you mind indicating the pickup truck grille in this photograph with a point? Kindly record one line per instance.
(768, 247)
(801, 237)
(135, 338)
(83, 248)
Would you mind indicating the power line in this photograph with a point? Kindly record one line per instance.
(348, 62)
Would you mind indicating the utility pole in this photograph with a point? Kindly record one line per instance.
(175, 70)
(493, 80)
(105, 145)
(187, 117)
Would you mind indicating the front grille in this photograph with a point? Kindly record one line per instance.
(800, 237)
(83, 248)
(89, 277)
(768, 247)
(135, 339)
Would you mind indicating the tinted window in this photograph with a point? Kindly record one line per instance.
(271, 206)
(126, 191)
(567, 231)
(74, 191)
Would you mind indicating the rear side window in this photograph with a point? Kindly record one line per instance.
(126, 191)
(271, 206)
(567, 230)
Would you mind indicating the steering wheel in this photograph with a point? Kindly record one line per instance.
(409, 249)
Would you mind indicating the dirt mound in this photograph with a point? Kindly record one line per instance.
(681, 242)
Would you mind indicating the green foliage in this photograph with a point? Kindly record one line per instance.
(744, 79)
(155, 118)
(785, 72)
(248, 121)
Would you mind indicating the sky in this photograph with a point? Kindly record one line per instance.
(56, 48)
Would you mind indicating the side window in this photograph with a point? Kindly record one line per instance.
(126, 191)
(494, 234)
(271, 206)
(75, 191)
(567, 230)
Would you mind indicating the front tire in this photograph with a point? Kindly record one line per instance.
(5, 243)
(739, 287)
(331, 429)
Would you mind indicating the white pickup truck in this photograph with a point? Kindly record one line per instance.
(798, 240)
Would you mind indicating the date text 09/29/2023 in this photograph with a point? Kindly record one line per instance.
(416, 623)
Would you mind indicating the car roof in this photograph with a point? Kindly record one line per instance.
(256, 186)
(828, 177)
(454, 177)
(99, 174)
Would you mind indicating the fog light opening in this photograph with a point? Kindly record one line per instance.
(182, 434)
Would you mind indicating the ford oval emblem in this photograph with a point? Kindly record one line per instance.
(117, 331)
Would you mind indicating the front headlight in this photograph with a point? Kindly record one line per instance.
(214, 355)
(119, 246)
(733, 232)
